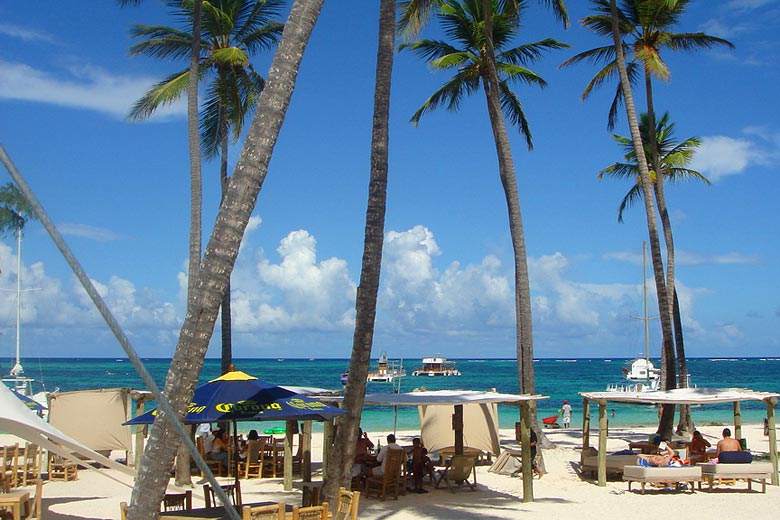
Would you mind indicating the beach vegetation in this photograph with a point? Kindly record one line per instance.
(639, 31)
(478, 51)
(342, 458)
(220, 254)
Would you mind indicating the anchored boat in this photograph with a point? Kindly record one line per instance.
(436, 366)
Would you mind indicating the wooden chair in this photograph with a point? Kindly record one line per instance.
(457, 471)
(177, 501)
(34, 505)
(61, 468)
(122, 510)
(311, 513)
(233, 491)
(391, 480)
(10, 467)
(278, 458)
(347, 505)
(214, 465)
(31, 470)
(271, 512)
(253, 465)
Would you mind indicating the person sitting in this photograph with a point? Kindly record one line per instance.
(727, 443)
(362, 453)
(220, 447)
(660, 459)
(420, 464)
(381, 457)
(251, 436)
(697, 448)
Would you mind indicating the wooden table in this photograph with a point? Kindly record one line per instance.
(210, 513)
(16, 501)
(479, 455)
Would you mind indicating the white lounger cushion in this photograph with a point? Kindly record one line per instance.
(653, 473)
(754, 469)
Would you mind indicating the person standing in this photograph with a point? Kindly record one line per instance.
(566, 413)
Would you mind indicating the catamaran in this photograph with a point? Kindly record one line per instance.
(436, 366)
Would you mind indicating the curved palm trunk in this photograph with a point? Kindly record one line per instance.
(221, 253)
(506, 169)
(342, 457)
(183, 476)
(667, 418)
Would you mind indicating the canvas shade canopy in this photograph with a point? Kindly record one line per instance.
(458, 398)
(699, 396)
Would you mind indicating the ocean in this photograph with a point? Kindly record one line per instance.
(557, 378)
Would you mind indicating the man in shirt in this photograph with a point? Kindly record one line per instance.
(382, 456)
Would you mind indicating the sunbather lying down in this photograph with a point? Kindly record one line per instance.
(662, 458)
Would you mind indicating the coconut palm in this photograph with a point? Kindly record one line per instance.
(342, 458)
(232, 30)
(645, 31)
(472, 52)
(673, 158)
(240, 198)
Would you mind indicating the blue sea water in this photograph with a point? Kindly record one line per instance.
(557, 378)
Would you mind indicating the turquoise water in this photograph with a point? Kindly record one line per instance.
(559, 379)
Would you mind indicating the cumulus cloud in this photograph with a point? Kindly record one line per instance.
(84, 87)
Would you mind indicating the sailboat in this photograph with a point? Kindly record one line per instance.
(641, 375)
(16, 379)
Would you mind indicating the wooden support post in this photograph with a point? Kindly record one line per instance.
(602, 442)
(457, 426)
(327, 444)
(771, 424)
(306, 451)
(525, 441)
(290, 427)
(140, 433)
(585, 423)
(737, 421)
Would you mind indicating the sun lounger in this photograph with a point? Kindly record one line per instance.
(667, 474)
(754, 471)
(615, 463)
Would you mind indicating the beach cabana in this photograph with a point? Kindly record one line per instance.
(690, 396)
(459, 398)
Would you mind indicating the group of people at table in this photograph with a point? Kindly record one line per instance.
(370, 462)
(698, 451)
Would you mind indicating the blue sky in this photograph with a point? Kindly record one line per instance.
(119, 193)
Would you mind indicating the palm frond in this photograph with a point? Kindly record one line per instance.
(514, 113)
(163, 93)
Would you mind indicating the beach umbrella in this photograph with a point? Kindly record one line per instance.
(237, 396)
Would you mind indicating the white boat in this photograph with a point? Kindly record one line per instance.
(386, 371)
(436, 366)
(16, 380)
(641, 375)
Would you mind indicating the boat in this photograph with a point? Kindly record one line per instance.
(641, 375)
(436, 366)
(16, 379)
(386, 371)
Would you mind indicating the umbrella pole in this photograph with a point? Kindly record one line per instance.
(235, 448)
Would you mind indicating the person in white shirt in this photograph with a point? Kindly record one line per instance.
(382, 456)
(566, 412)
(204, 431)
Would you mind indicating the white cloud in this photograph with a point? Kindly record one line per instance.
(720, 156)
(91, 232)
(83, 87)
(22, 33)
(689, 258)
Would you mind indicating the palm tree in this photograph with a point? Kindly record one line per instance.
(673, 158)
(232, 31)
(473, 54)
(221, 251)
(647, 25)
(341, 460)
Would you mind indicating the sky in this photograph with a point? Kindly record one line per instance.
(119, 193)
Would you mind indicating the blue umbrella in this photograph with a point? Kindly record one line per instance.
(237, 396)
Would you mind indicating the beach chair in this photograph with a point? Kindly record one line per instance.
(233, 491)
(269, 512)
(61, 468)
(311, 513)
(35, 507)
(214, 465)
(177, 501)
(9, 462)
(457, 471)
(391, 481)
(31, 469)
(253, 465)
(122, 510)
(347, 505)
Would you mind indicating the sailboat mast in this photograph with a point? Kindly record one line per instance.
(18, 370)
(644, 294)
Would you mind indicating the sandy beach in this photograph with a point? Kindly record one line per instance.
(561, 493)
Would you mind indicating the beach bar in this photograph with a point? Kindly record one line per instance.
(678, 396)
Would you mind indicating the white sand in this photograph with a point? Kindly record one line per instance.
(562, 493)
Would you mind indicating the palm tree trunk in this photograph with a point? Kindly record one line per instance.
(220, 255)
(667, 418)
(506, 169)
(183, 475)
(342, 457)
(226, 318)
